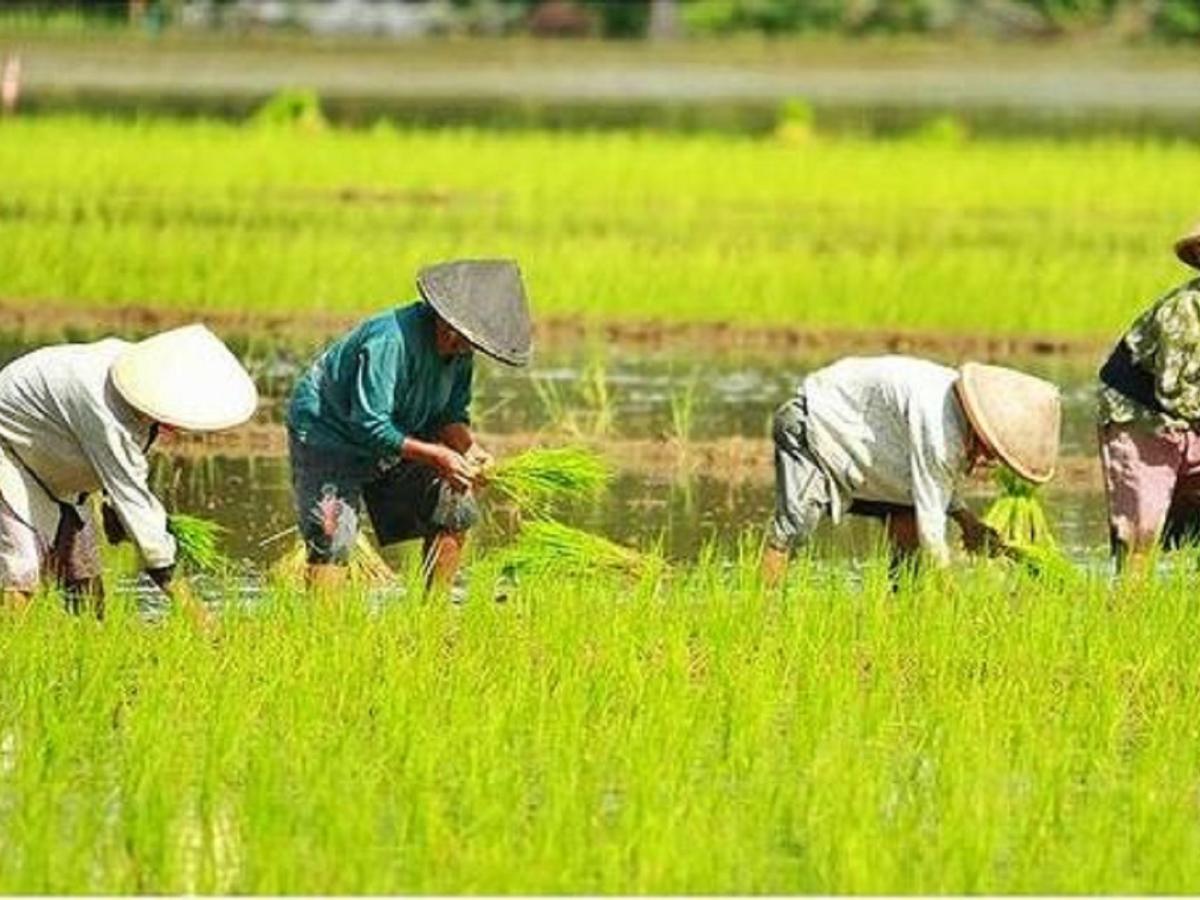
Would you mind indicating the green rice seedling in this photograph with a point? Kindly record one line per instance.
(1042, 561)
(197, 543)
(204, 216)
(588, 411)
(984, 741)
(538, 478)
(1018, 517)
(555, 405)
(366, 567)
(1017, 513)
(298, 108)
(683, 410)
(596, 396)
(546, 544)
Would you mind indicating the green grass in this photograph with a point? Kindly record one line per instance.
(1007, 236)
(993, 736)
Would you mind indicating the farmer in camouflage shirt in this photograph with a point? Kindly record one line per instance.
(1150, 420)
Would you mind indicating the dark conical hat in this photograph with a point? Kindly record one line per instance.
(1187, 248)
(484, 301)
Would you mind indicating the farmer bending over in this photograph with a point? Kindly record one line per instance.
(890, 437)
(382, 416)
(1149, 417)
(78, 418)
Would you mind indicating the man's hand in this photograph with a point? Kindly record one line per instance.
(114, 528)
(454, 467)
(449, 463)
(482, 460)
(978, 538)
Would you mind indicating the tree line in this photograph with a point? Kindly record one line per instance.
(1131, 19)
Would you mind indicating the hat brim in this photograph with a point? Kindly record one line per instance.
(484, 301)
(967, 390)
(186, 378)
(515, 359)
(1188, 250)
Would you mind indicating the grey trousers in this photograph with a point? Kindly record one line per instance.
(802, 490)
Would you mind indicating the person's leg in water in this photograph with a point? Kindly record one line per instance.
(76, 562)
(802, 493)
(443, 556)
(21, 556)
(1141, 470)
(904, 545)
(411, 500)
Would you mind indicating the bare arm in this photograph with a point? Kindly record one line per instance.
(978, 538)
(457, 436)
(450, 464)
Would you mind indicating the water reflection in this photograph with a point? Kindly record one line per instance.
(252, 499)
(649, 395)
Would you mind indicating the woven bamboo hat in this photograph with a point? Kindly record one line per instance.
(484, 301)
(1187, 248)
(1018, 415)
(186, 378)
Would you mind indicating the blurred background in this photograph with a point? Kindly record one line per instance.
(633, 19)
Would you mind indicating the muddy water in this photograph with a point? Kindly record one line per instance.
(643, 396)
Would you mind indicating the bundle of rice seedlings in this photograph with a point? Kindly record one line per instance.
(548, 545)
(366, 566)
(197, 543)
(1043, 561)
(1018, 517)
(536, 479)
(1017, 514)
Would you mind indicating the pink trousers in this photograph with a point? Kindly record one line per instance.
(1152, 479)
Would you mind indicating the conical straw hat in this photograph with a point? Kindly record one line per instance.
(1018, 415)
(186, 378)
(1187, 248)
(484, 301)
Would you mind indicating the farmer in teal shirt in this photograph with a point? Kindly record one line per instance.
(382, 417)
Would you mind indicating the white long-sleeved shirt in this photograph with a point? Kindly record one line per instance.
(890, 428)
(61, 414)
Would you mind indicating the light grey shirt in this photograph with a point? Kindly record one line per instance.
(61, 415)
(890, 428)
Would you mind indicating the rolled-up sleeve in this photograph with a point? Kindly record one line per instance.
(933, 485)
(373, 399)
(124, 473)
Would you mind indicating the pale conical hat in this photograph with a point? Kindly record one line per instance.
(1187, 248)
(1018, 415)
(484, 301)
(186, 378)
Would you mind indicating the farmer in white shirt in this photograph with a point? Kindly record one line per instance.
(78, 418)
(891, 437)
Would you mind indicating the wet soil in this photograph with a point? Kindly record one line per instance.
(34, 320)
(734, 459)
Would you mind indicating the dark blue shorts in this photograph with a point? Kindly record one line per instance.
(405, 500)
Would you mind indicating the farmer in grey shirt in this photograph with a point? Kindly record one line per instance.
(78, 418)
(890, 437)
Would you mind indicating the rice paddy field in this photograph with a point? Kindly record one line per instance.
(931, 232)
(588, 728)
(989, 734)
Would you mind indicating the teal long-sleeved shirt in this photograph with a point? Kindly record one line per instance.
(380, 383)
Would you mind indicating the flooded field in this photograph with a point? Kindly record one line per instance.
(688, 434)
(613, 727)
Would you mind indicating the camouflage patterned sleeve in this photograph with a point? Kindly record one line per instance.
(1167, 343)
